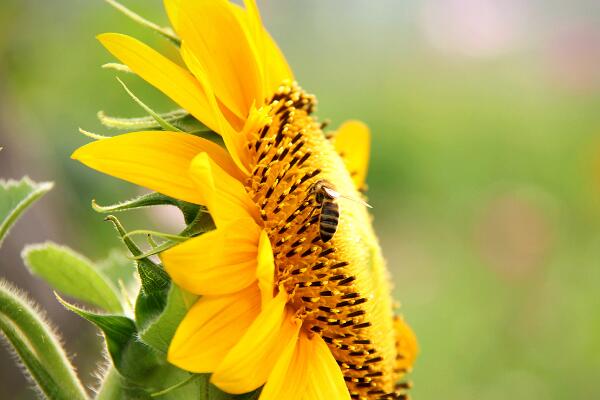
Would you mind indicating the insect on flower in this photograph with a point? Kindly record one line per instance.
(328, 215)
(297, 305)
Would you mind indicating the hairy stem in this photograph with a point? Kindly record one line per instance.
(32, 338)
(111, 388)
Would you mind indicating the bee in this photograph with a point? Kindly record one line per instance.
(329, 211)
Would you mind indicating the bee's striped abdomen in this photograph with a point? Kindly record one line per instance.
(328, 219)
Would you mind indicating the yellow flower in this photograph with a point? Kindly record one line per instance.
(280, 307)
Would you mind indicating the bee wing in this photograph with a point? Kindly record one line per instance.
(356, 200)
(336, 195)
(332, 193)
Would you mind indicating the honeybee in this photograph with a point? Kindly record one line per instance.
(329, 211)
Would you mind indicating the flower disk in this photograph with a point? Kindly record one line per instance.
(334, 287)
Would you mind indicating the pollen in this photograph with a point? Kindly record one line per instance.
(339, 288)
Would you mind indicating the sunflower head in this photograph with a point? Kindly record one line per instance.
(295, 295)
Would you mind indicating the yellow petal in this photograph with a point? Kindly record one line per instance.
(274, 67)
(289, 376)
(247, 366)
(251, 18)
(157, 160)
(308, 367)
(228, 123)
(211, 328)
(168, 77)
(277, 69)
(219, 262)
(226, 198)
(353, 143)
(265, 273)
(325, 379)
(407, 346)
(172, 9)
(213, 32)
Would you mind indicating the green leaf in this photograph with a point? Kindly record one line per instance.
(118, 329)
(37, 346)
(159, 332)
(72, 274)
(15, 197)
(130, 357)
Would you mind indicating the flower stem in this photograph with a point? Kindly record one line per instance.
(38, 347)
(111, 388)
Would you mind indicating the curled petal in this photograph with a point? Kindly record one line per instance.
(221, 261)
(226, 198)
(407, 346)
(229, 124)
(211, 328)
(353, 143)
(247, 366)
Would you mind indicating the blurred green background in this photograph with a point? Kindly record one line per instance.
(485, 171)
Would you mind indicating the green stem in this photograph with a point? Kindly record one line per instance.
(36, 340)
(111, 388)
(47, 385)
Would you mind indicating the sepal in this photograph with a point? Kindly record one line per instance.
(152, 297)
(190, 211)
(131, 358)
(160, 331)
(163, 31)
(141, 123)
(162, 123)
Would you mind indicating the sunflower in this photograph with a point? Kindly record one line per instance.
(280, 307)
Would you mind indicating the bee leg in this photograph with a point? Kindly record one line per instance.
(309, 215)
